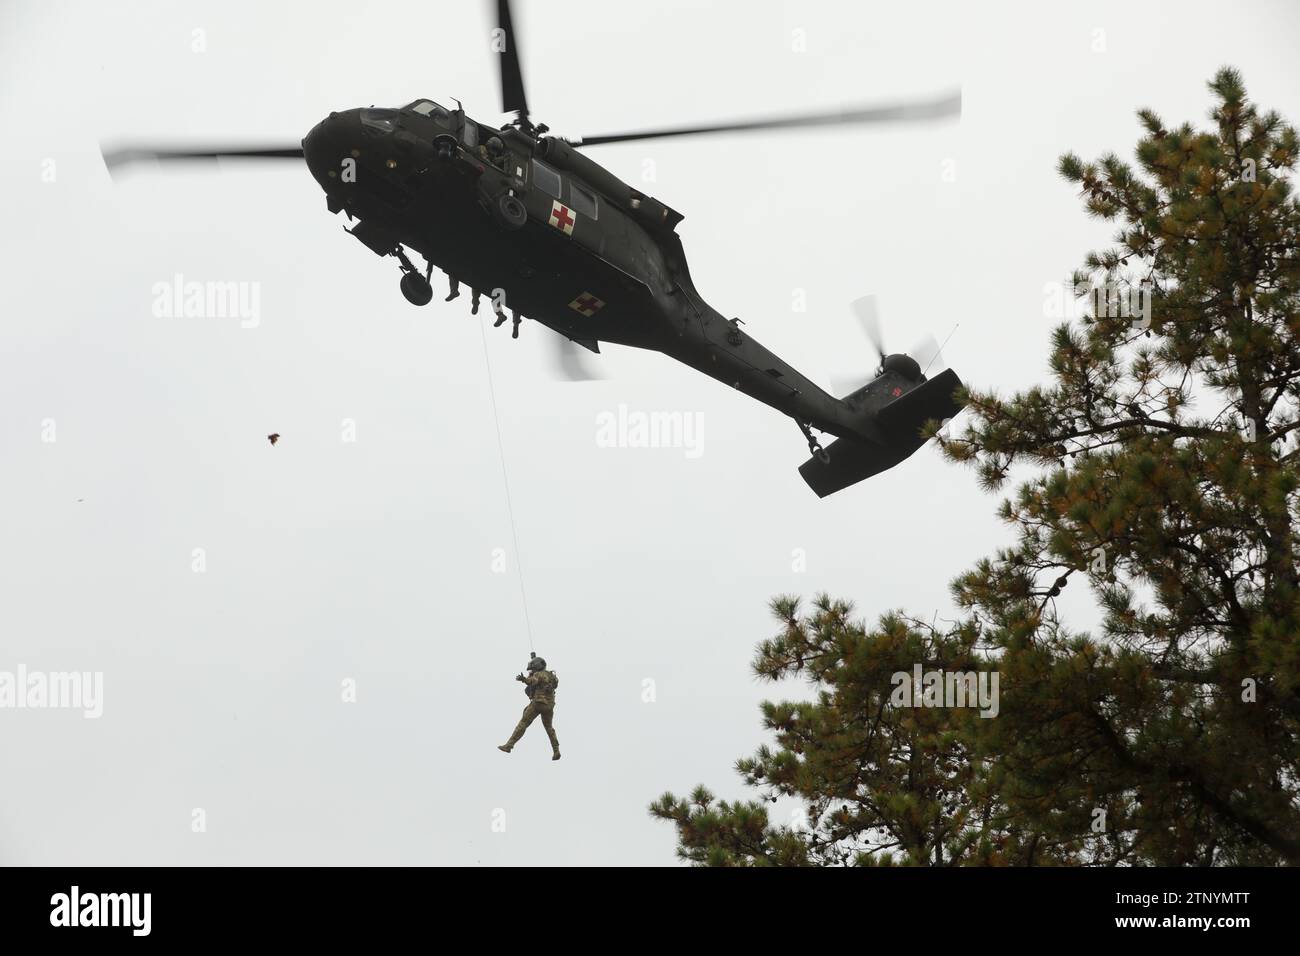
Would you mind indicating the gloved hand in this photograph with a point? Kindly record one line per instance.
(521, 677)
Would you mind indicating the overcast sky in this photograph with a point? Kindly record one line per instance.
(325, 560)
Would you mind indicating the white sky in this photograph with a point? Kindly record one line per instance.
(371, 560)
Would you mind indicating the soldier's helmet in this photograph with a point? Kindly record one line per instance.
(537, 664)
(495, 145)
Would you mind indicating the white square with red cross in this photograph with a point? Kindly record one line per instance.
(562, 217)
(587, 304)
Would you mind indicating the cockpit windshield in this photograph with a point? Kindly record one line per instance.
(381, 120)
(428, 108)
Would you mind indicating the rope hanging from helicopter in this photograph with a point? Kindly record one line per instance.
(505, 479)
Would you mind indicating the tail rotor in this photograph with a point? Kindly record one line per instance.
(866, 311)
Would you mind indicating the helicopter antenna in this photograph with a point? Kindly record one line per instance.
(939, 350)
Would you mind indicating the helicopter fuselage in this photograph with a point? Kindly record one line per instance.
(552, 236)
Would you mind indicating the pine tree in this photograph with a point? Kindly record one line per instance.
(1162, 475)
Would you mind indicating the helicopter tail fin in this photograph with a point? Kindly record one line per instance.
(850, 460)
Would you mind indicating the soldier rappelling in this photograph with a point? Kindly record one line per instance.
(539, 685)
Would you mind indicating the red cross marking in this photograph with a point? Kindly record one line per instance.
(562, 217)
(588, 303)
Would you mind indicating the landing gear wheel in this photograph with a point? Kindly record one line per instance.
(416, 288)
(509, 212)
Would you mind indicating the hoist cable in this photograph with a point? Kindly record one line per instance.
(505, 479)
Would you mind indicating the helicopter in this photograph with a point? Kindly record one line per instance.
(554, 237)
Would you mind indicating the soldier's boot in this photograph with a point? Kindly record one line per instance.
(501, 320)
(473, 303)
(514, 737)
(453, 288)
(555, 744)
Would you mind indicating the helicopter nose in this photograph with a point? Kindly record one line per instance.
(329, 144)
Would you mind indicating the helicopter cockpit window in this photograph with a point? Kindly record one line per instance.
(432, 109)
(469, 135)
(384, 121)
(546, 178)
(582, 201)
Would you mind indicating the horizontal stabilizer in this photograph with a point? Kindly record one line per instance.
(850, 460)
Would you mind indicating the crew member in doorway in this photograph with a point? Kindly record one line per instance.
(494, 152)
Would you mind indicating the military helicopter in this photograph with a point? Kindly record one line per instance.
(554, 237)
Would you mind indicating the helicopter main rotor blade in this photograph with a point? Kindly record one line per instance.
(512, 78)
(117, 158)
(922, 111)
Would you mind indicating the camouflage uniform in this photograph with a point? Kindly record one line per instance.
(495, 157)
(540, 687)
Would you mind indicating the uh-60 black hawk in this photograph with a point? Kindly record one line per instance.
(575, 248)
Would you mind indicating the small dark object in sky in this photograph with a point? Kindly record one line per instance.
(273, 437)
